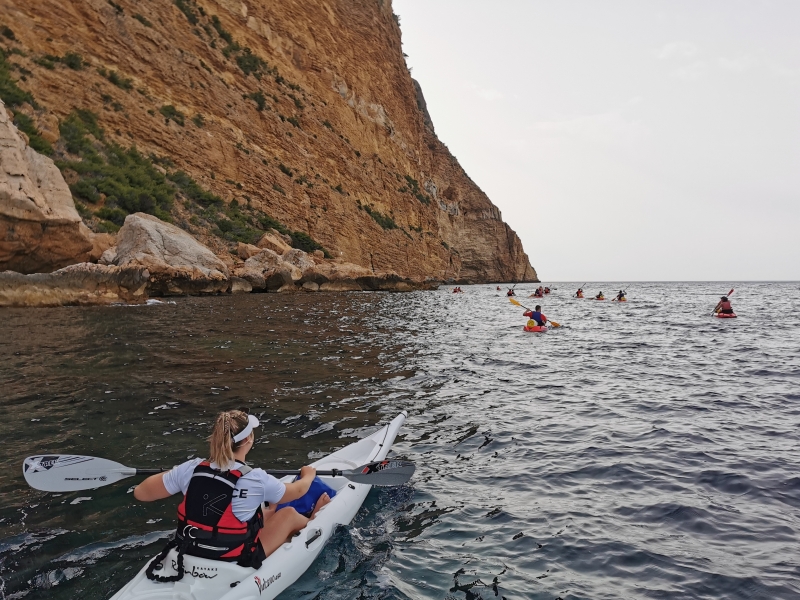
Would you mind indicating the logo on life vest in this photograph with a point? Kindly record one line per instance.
(263, 584)
(211, 505)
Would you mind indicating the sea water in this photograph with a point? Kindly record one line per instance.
(641, 450)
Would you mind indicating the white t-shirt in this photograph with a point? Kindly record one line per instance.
(251, 490)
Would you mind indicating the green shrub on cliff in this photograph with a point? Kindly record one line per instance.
(259, 98)
(225, 35)
(127, 179)
(250, 63)
(10, 92)
(413, 184)
(142, 20)
(117, 79)
(385, 221)
(37, 142)
(170, 113)
(186, 9)
(72, 60)
(192, 190)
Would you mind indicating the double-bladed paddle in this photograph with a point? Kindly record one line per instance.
(70, 473)
(553, 323)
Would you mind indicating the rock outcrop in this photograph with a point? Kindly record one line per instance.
(177, 263)
(303, 111)
(40, 230)
(80, 284)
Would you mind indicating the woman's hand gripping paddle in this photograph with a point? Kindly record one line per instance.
(553, 323)
(68, 473)
(716, 308)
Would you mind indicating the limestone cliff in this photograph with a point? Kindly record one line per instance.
(303, 111)
(40, 230)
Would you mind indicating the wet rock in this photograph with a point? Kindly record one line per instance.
(178, 263)
(80, 284)
(40, 229)
(310, 286)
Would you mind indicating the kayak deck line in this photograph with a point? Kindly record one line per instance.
(206, 579)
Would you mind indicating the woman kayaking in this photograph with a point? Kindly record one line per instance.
(723, 307)
(579, 293)
(620, 297)
(232, 526)
(600, 296)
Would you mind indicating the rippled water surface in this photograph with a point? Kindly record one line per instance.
(642, 450)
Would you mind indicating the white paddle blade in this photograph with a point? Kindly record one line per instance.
(70, 473)
(383, 473)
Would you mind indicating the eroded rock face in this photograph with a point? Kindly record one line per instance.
(178, 264)
(80, 284)
(359, 133)
(40, 230)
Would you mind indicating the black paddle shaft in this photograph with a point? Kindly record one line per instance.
(331, 473)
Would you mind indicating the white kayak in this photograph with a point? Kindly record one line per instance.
(206, 579)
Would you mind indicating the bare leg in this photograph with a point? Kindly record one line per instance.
(279, 527)
(323, 501)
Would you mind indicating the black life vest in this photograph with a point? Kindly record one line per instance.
(206, 523)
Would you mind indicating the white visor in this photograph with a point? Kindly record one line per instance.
(251, 422)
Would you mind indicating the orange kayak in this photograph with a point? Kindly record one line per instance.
(535, 329)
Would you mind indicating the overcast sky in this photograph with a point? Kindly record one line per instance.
(624, 140)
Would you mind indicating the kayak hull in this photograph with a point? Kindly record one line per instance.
(535, 328)
(206, 579)
(721, 316)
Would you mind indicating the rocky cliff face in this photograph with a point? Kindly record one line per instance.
(40, 230)
(303, 111)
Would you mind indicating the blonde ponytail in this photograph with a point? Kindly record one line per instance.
(227, 425)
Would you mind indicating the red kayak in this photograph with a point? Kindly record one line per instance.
(721, 316)
(535, 328)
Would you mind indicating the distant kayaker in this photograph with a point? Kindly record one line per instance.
(536, 315)
(498, 288)
(547, 290)
(724, 306)
(620, 297)
(600, 296)
(238, 490)
(579, 293)
(510, 292)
